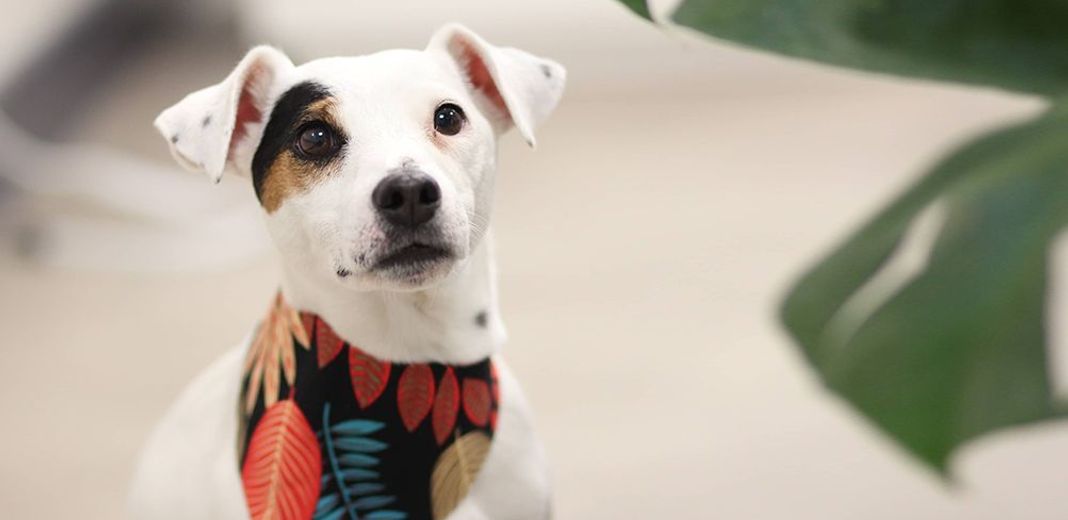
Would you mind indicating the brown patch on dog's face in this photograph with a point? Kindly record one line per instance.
(292, 171)
(288, 176)
(300, 145)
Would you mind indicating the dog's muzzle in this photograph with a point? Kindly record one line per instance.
(406, 203)
(407, 200)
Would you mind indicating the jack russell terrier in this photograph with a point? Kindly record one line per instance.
(373, 388)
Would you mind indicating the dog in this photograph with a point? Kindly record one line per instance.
(373, 388)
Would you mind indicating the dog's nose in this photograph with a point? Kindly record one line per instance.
(407, 199)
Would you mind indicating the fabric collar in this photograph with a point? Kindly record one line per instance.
(329, 432)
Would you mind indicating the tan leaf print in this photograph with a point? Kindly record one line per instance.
(252, 391)
(271, 358)
(271, 382)
(296, 326)
(455, 471)
(289, 364)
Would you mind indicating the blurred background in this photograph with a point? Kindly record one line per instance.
(643, 249)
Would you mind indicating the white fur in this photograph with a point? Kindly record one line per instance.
(190, 466)
(88, 206)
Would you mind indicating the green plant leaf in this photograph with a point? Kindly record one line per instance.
(640, 7)
(1014, 44)
(957, 348)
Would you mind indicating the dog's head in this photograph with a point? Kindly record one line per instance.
(376, 171)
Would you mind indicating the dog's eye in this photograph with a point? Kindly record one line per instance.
(316, 141)
(449, 119)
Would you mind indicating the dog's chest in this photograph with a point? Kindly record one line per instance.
(330, 432)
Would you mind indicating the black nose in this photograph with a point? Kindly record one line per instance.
(407, 199)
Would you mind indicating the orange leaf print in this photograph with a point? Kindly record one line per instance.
(446, 406)
(369, 376)
(415, 394)
(281, 474)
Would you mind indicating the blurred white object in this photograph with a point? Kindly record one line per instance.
(608, 49)
(83, 206)
(25, 29)
(93, 207)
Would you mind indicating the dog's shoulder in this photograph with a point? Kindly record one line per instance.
(189, 468)
(515, 481)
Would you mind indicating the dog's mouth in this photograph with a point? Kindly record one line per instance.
(414, 256)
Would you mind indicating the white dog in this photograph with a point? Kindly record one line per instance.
(373, 389)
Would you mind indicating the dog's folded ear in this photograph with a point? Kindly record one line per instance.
(518, 88)
(211, 128)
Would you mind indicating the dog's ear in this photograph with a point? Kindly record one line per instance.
(209, 126)
(518, 88)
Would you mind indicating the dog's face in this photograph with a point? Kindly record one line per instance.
(374, 171)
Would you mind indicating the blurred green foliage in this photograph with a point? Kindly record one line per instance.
(931, 319)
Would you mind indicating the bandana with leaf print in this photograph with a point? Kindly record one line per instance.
(329, 432)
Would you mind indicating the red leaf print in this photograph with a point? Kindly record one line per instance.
(496, 385)
(308, 320)
(327, 343)
(369, 376)
(415, 394)
(477, 402)
(282, 467)
(446, 406)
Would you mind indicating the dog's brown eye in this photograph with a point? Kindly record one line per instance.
(316, 141)
(448, 119)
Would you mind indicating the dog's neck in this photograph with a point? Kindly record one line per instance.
(456, 321)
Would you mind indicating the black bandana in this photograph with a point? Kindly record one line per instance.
(329, 432)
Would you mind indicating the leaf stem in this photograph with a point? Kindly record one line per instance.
(338, 481)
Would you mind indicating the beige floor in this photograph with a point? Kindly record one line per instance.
(643, 249)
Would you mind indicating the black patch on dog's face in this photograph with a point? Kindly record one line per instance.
(481, 319)
(280, 127)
